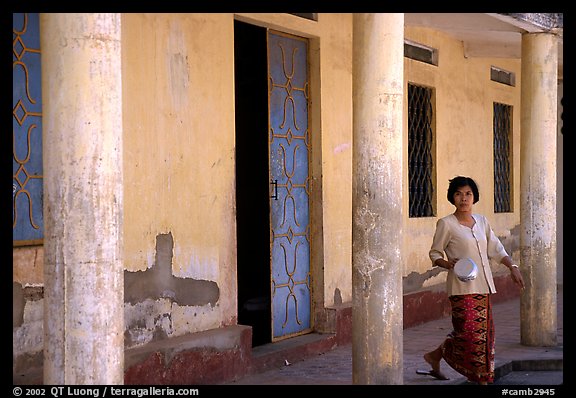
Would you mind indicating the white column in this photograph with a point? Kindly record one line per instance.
(82, 141)
(538, 189)
(377, 314)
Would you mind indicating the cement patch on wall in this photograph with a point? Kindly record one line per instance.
(152, 296)
(416, 281)
(158, 281)
(27, 327)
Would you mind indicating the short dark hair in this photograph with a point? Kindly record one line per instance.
(459, 182)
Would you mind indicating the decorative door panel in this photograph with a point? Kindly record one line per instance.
(27, 191)
(289, 151)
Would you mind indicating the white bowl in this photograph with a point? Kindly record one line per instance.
(466, 269)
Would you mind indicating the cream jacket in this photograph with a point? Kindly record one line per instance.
(459, 241)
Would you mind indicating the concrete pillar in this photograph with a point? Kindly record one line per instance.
(538, 189)
(82, 139)
(377, 322)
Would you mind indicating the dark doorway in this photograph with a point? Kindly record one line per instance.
(252, 180)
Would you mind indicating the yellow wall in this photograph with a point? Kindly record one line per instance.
(28, 265)
(464, 96)
(178, 96)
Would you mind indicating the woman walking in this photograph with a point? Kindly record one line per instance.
(465, 236)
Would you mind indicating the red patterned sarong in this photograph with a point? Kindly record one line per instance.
(469, 349)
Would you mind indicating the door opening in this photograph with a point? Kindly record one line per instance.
(252, 185)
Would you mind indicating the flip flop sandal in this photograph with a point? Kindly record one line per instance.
(433, 373)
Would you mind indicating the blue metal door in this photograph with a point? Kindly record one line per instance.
(27, 174)
(289, 151)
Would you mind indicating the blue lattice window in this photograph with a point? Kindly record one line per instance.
(420, 144)
(27, 178)
(502, 126)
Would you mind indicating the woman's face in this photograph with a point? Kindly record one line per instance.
(464, 198)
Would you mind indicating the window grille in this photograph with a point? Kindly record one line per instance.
(420, 136)
(502, 126)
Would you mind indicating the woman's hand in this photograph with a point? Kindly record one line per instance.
(517, 277)
(514, 271)
(448, 264)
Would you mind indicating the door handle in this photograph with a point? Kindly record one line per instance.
(275, 183)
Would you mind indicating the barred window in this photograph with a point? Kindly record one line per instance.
(420, 139)
(502, 125)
